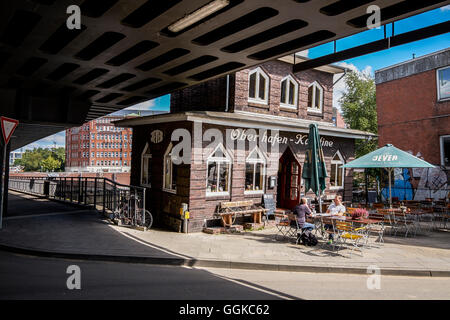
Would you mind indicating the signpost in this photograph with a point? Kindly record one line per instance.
(8, 126)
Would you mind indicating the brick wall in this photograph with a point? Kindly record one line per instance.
(410, 117)
(277, 70)
(191, 181)
(211, 95)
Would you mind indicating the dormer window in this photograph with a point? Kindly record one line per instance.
(258, 90)
(315, 97)
(289, 92)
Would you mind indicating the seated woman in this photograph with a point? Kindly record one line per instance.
(301, 211)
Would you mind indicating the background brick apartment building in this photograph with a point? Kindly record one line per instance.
(413, 106)
(99, 146)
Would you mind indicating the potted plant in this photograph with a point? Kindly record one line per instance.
(359, 213)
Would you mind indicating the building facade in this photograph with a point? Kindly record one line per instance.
(413, 107)
(238, 138)
(99, 146)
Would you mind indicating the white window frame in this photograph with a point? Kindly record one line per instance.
(441, 149)
(316, 85)
(167, 154)
(338, 162)
(145, 156)
(227, 160)
(438, 85)
(259, 73)
(263, 160)
(288, 89)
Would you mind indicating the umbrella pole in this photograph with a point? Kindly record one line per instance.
(320, 203)
(390, 191)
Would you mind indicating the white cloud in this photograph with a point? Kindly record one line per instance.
(303, 53)
(340, 87)
(146, 105)
(58, 139)
(446, 8)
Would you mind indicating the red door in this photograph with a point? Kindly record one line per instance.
(290, 180)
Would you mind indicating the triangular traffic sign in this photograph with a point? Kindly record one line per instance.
(8, 127)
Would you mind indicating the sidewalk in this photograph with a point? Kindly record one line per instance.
(83, 235)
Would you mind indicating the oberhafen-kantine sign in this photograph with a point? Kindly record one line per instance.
(301, 139)
(8, 127)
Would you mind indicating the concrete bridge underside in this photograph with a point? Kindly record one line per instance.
(52, 78)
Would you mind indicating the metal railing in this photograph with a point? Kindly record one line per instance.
(118, 201)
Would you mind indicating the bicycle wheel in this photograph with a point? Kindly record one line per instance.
(148, 219)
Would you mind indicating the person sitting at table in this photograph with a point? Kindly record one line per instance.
(301, 211)
(336, 208)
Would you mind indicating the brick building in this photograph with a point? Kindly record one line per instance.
(99, 146)
(413, 106)
(240, 137)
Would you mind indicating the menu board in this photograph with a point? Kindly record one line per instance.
(269, 203)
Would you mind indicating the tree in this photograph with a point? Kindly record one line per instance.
(40, 159)
(50, 164)
(359, 109)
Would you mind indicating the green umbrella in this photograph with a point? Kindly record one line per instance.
(314, 170)
(388, 157)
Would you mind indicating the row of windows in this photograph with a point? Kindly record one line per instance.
(109, 136)
(103, 145)
(101, 154)
(109, 163)
(218, 178)
(258, 91)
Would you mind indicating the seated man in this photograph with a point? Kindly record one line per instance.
(301, 211)
(336, 208)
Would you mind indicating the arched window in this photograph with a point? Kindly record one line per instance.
(315, 97)
(289, 92)
(170, 171)
(219, 172)
(337, 172)
(255, 172)
(146, 166)
(258, 90)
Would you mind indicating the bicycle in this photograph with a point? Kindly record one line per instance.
(129, 212)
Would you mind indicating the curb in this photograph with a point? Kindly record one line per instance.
(221, 263)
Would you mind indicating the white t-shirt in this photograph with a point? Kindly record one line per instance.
(334, 209)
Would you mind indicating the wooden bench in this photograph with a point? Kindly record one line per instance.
(228, 210)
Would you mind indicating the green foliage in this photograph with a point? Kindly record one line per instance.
(40, 159)
(359, 109)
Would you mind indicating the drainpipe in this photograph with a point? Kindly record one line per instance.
(227, 93)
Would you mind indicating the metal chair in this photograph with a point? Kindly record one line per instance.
(401, 221)
(380, 227)
(357, 236)
(330, 231)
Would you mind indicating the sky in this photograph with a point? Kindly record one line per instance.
(368, 63)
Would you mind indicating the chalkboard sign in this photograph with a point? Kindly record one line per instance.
(269, 204)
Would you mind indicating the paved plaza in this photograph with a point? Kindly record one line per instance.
(84, 234)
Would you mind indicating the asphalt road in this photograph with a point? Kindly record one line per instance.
(25, 277)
